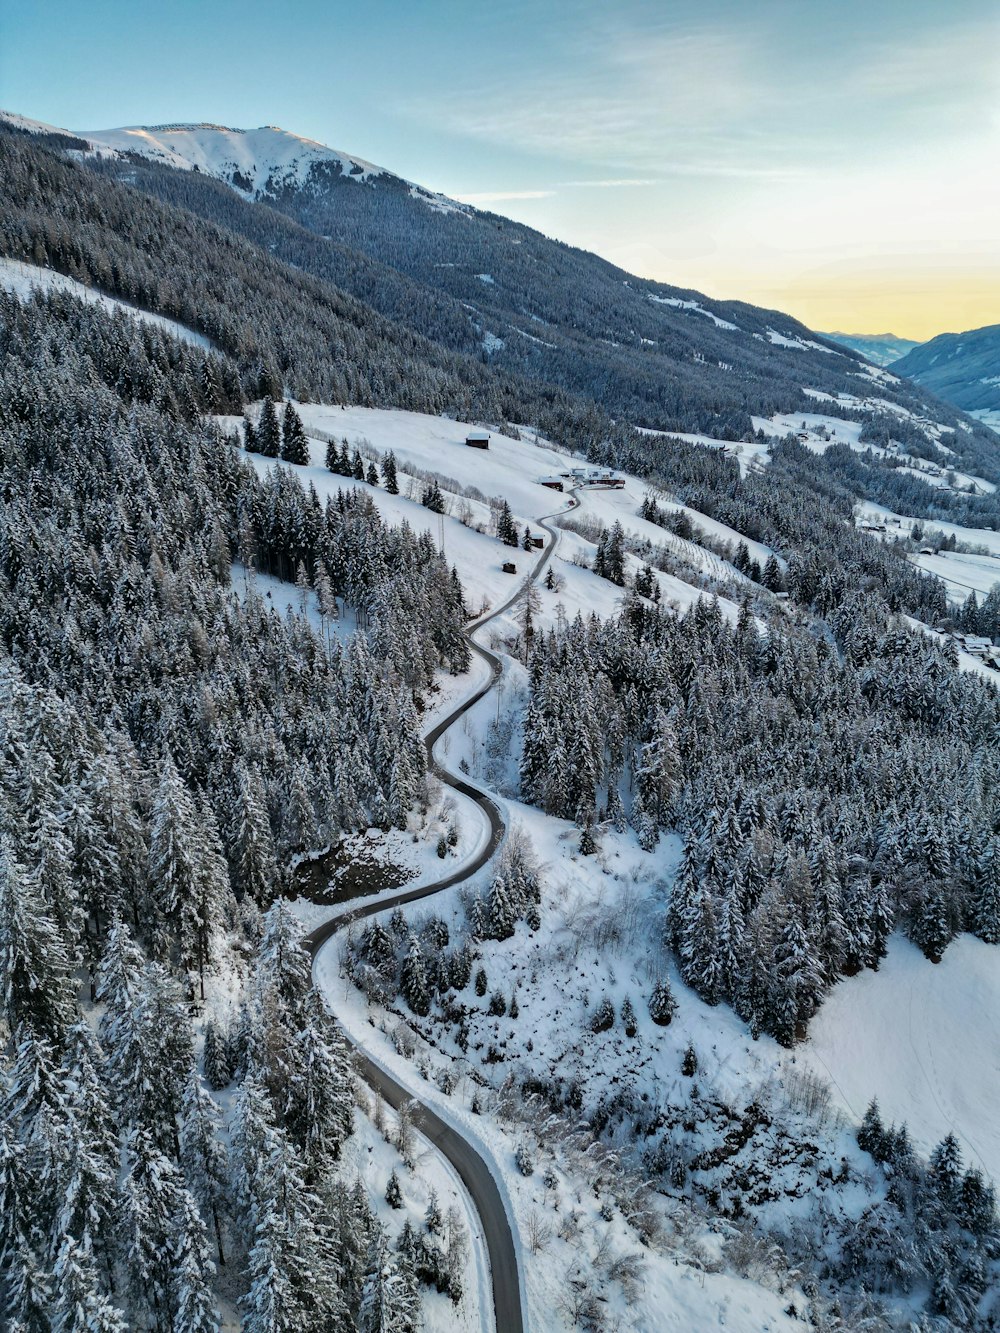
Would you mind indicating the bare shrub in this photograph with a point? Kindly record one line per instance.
(809, 1092)
(537, 1231)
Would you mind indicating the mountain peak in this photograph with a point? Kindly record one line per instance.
(253, 161)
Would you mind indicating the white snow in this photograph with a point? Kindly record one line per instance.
(800, 344)
(922, 1038)
(508, 469)
(24, 279)
(246, 159)
(696, 307)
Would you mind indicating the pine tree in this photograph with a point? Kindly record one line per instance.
(319, 1113)
(393, 1192)
(985, 893)
(269, 430)
(628, 1018)
(871, 1132)
(662, 1005)
(389, 475)
(256, 866)
(174, 869)
(294, 445)
(203, 1154)
(389, 1301)
(500, 914)
(506, 527)
(413, 980)
(35, 981)
(216, 1058)
(946, 1168)
(249, 436)
(81, 1304)
(282, 964)
(772, 577)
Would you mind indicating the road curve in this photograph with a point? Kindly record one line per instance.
(472, 1169)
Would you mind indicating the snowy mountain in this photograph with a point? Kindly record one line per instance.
(882, 348)
(255, 162)
(645, 833)
(963, 368)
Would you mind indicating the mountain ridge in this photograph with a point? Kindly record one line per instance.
(962, 368)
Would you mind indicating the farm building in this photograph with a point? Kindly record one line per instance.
(478, 439)
(974, 644)
(509, 567)
(583, 476)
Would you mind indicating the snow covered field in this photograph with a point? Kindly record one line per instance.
(922, 1038)
(24, 279)
(962, 573)
(508, 470)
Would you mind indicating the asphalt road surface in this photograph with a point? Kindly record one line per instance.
(473, 1170)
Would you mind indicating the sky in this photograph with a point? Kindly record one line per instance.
(837, 159)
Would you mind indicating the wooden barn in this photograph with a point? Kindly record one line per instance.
(478, 439)
(509, 567)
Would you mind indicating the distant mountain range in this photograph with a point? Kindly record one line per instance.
(515, 308)
(963, 368)
(882, 348)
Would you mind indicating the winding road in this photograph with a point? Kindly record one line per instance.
(473, 1170)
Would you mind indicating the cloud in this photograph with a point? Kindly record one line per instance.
(760, 98)
(499, 196)
(612, 184)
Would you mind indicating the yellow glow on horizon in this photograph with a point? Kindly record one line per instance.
(918, 305)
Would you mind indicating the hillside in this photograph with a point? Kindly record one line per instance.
(881, 348)
(962, 368)
(495, 291)
(644, 827)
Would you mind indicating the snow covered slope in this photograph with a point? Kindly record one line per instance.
(23, 279)
(254, 162)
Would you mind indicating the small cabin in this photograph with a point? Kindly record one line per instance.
(975, 644)
(478, 439)
(509, 567)
(538, 543)
(553, 483)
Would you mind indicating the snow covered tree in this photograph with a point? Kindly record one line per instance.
(389, 475)
(393, 1192)
(946, 1168)
(319, 1113)
(294, 445)
(254, 857)
(173, 858)
(506, 527)
(389, 1300)
(662, 1005)
(985, 893)
(81, 1303)
(35, 982)
(282, 964)
(413, 980)
(203, 1154)
(216, 1059)
(269, 430)
(501, 917)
